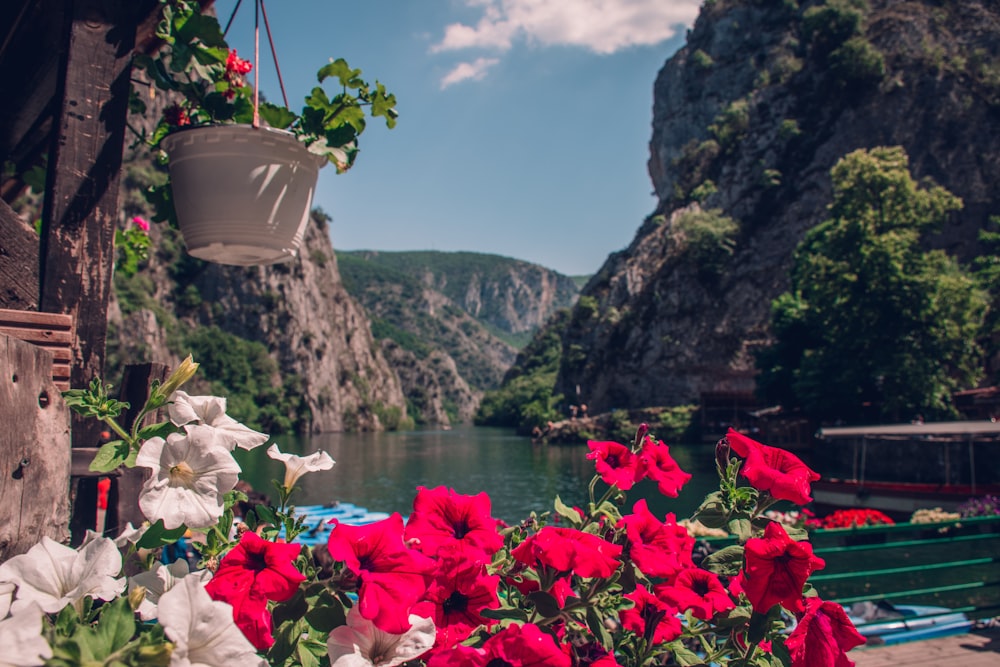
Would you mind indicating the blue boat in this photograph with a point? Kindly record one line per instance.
(884, 623)
(318, 518)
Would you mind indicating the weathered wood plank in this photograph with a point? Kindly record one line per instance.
(34, 450)
(51, 331)
(18, 261)
(29, 318)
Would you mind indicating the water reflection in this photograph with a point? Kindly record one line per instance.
(381, 471)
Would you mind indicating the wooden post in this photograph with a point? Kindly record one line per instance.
(81, 200)
(123, 497)
(34, 449)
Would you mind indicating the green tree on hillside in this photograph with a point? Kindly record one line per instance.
(873, 319)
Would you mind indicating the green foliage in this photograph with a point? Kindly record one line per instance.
(243, 371)
(694, 164)
(732, 124)
(874, 318)
(987, 273)
(701, 59)
(704, 191)
(827, 26)
(857, 64)
(708, 239)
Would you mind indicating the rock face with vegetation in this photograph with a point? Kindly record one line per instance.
(450, 323)
(749, 118)
(285, 342)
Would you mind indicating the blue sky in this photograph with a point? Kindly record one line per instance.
(524, 124)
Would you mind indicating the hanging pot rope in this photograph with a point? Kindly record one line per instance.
(259, 10)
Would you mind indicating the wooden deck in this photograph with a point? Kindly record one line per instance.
(980, 648)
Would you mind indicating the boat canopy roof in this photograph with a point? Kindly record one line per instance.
(956, 430)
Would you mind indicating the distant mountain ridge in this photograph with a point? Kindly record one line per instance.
(450, 324)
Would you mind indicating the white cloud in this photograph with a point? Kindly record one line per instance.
(475, 70)
(602, 26)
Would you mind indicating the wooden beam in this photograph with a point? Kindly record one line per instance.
(18, 261)
(34, 450)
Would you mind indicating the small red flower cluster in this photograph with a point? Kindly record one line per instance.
(850, 518)
(236, 69)
(176, 116)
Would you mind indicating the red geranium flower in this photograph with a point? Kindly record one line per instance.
(651, 617)
(459, 591)
(823, 636)
(568, 550)
(392, 577)
(776, 569)
(237, 65)
(659, 466)
(658, 549)
(698, 590)
(515, 646)
(770, 469)
(442, 517)
(616, 464)
(176, 115)
(252, 573)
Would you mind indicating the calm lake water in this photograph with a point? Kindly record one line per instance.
(381, 471)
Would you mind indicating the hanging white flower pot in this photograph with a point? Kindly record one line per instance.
(242, 194)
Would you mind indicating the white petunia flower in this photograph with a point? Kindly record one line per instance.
(22, 640)
(131, 534)
(158, 581)
(53, 576)
(191, 473)
(202, 630)
(211, 411)
(6, 595)
(361, 644)
(296, 466)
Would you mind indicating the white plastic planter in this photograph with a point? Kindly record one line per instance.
(242, 194)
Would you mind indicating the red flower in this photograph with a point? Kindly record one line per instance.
(175, 115)
(565, 550)
(658, 549)
(460, 590)
(516, 646)
(561, 588)
(651, 617)
(659, 466)
(236, 65)
(442, 517)
(697, 590)
(616, 464)
(776, 569)
(770, 469)
(392, 578)
(252, 573)
(823, 636)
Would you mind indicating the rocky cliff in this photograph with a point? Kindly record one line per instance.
(449, 322)
(335, 374)
(748, 118)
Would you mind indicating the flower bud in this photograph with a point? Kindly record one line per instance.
(184, 372)
(136, 596)
(157, 655)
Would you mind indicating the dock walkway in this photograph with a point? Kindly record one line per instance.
(979, 648)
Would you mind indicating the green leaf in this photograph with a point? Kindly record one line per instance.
(599, 630)
(339, 68)
(266, 514)
(505, 614)
(713, 512)
(741, 528)
(116, 625)
(161, 430)
(326, 617)
(275, 116)
(685, 656)
(568, 513)
(157, 535)
(726, 561)
(110, 456)
(545, 603)
(733, 618)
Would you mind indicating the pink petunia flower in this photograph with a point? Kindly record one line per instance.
(515, 646)
(141, 223)
(659, 466)
(616, 464)
(459, 591)
(698, 590)
(651, 617)
(392, 577)
(776, 569)
(568, 550)
(823, 636)
(658, 549)
(443, 518)
(252, 573)
(774, 470)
